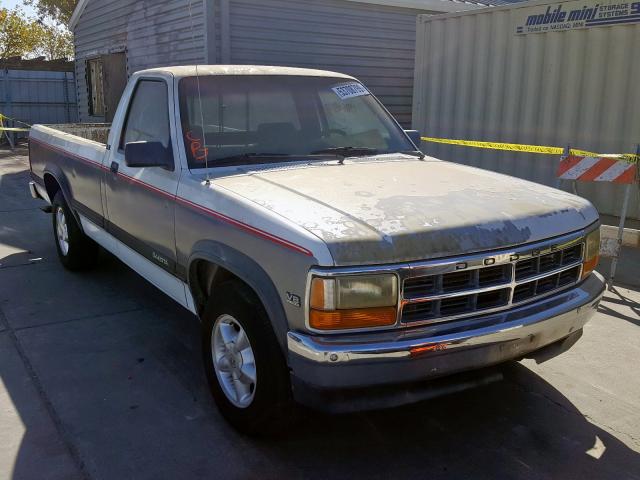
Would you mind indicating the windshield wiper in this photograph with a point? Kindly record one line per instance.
(345, 152)
(250, 158)
(253, 158)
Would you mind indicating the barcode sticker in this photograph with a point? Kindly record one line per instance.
(350, 90)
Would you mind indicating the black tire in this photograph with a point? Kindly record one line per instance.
(270, 411)
(81, 252)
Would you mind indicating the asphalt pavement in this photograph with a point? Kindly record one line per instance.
(101, 378)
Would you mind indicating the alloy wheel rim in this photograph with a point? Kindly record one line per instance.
(62, 231)
(233, 361)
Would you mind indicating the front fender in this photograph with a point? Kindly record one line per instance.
(252, 274)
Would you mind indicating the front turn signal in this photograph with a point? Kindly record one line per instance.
(353, 318)
(592, 253)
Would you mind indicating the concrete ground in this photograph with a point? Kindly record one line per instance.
(100, 377)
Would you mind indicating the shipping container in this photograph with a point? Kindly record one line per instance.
(544, 73)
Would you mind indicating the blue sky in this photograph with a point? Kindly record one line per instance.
(12, 3)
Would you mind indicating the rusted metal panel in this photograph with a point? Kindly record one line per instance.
(477, 78)
(114, 67)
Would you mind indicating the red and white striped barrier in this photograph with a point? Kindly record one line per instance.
(620, 169)
(598, 169)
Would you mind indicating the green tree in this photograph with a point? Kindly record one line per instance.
(55, 43)
(58, 10)
(19, 36)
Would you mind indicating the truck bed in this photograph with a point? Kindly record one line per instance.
(96, 132)
(70, 151)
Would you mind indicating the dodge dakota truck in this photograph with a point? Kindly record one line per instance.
(329, 260)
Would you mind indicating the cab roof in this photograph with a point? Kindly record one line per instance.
(190, 71)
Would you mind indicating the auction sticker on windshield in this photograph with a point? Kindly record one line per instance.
(350, 90)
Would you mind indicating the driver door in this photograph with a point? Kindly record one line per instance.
(140, 201)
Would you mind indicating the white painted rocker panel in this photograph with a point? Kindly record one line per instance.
(164, 281)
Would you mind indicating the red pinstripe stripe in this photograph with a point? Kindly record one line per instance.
(598, 169)
(212, 213)
(245, 227)
(568, 163)
(62, 151)
(148, 186)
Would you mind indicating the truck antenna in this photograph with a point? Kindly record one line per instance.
(204, 138)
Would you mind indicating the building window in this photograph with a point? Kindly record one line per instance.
(96, 87)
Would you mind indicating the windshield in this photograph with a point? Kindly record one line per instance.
(284, 118)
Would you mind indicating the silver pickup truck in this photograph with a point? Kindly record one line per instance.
(329, 260)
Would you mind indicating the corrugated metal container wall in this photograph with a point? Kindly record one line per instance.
(477, 79)
(371, 42)
(153, 33)
(35, 96)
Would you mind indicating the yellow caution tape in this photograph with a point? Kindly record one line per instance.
(12, 129)
(512, 147)
(8, 129)
(630, 157)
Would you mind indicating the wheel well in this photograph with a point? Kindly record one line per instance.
(51, 185)
(204, 276)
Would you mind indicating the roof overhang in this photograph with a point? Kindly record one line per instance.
(440, 6)
(77, 13)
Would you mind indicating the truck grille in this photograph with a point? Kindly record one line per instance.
(486, 284)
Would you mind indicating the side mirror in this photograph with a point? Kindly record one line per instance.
(414, 135)
(148, 154)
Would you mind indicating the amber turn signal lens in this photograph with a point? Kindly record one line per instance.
(317, 294)
(357, 318)
(589, 266)
(592, 253)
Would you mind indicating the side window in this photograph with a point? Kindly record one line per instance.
(148, 116)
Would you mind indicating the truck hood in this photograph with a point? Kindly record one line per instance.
(386, 211)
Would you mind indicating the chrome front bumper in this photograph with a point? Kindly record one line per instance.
(413, 355)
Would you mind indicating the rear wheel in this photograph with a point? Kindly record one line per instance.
(244, 364)
(76, 251)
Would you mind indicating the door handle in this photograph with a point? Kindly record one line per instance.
(114, 167)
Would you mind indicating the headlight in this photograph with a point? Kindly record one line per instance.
(354, 301)
(592, 253)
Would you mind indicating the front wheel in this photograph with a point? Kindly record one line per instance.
(76, 251)
(244, 364)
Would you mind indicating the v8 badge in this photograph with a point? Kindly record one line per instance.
(293, 299)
